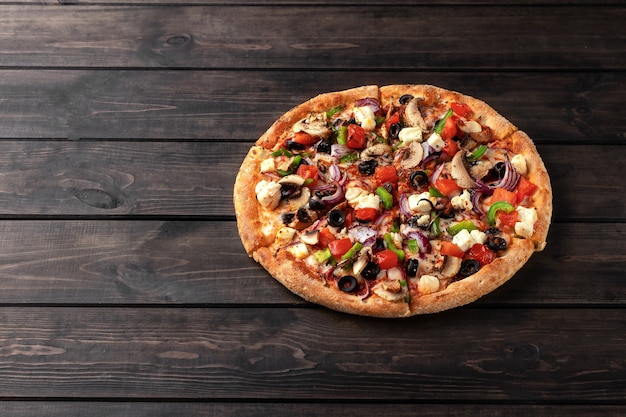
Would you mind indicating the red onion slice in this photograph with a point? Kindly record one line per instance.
(334, 198)
(362, 233)
(422, 240)
(373, 103)
(403, 205)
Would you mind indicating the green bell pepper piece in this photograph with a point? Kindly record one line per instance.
(495, 208)
(389, 244)
(463, 225)
(385, 197)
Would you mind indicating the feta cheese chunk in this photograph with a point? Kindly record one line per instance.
(365, 117)
(436, 142)
(410, 134)
(358, 198)
(268, 165)
(428, 284)
(299, 250)
(421, 203)
(478, 236)
(463, 240)
(519, 163)
(268, 193)
(285, 235)
(525, 226)
(463, 201)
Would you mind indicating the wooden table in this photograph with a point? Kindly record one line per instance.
(124, 288)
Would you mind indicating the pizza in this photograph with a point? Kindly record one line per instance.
(392, 201)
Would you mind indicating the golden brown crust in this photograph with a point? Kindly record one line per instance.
(538, 175)
(258, 234)
(308, 285)
(322, 102)
(248, 212)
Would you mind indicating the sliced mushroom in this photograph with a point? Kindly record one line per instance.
(303, 199)
(292, 179)
(310, 237)
(315, 126)
(459, 171)
(412, 155)
(413, 116)
(451, 267)
(380, 150)
(483, 136)
(469, 126)
(390, 291)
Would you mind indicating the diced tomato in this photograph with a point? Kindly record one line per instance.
(394, 118)
(304, 138)
(482, 254)
(507, 219)
(366, 214)
(451, 147)
(356, 137)
(526, 187)
(339, 247)
(308, 172)
(386, 259)
(446, 186)
(461, 109)
(385, 173)
(500, 194)
(325, 237)
(449, 129)
(450, 249)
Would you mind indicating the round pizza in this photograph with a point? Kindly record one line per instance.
(392, 201)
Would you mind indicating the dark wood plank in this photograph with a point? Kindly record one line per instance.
(558, 107)
(93, 178)
(314, 37)
(264, 409)
(194, 262)
(519, 355)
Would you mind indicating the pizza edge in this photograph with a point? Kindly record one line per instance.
(303, 282)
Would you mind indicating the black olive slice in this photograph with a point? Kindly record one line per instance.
(418, 179)
(496, 243)
(492, 231)
(287, 218)
(324, 146)
(316, 204)
(368, 167)
(405, 99)
(294, 146)
(347, 283)
(370, 271)
(336, 218)
(289, 190)
(303, 215)
(394, 130)
(411, 267)
(469, 267)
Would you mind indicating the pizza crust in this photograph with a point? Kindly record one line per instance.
(257, 227)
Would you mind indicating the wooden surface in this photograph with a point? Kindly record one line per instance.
(124, 288)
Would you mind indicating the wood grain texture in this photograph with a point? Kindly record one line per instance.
(107, 178)
(558, 107)
(124, 288)
(203, 262)
(268, 408)
(314, 37)
(522, 354)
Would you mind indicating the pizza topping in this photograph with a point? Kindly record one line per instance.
(268, 193)
(412, 114)
(459, 172)
(469, 267)
(314, 125)
(395, 201)
(428, 284)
